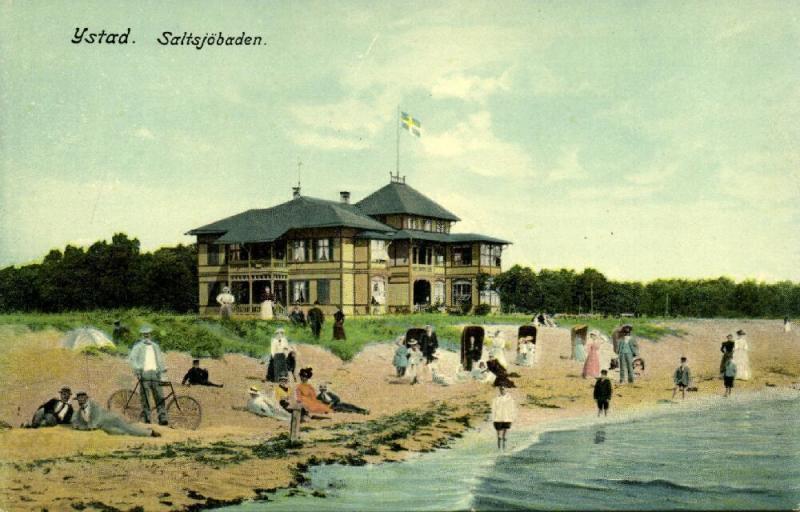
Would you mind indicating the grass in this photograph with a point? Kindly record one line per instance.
(211, 337)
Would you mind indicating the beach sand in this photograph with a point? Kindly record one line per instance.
(235, 455)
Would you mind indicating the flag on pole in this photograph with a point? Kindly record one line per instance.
(410, 124)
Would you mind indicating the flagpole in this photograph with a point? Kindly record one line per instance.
(397, 145)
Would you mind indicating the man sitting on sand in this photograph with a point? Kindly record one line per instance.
(326, 396)
(91, 416)
(197, 376)
(56, 411)
(262, 404)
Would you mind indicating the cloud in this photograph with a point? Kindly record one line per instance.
(652, 177)
(472, 146)
(327, 142)
(568, 167)
(760, 187)
(611, 192)
(469, 87)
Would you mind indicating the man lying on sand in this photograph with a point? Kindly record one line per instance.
(56, 411)
(197, 376)
(91, 416)
(326, 396)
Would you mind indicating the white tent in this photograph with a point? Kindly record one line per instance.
(78, 339)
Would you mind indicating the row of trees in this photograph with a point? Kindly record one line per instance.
(117, 275)
(104, 276)
(565, 291)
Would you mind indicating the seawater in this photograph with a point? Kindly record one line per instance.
(717, 454)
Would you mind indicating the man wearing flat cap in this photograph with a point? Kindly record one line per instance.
(56, 411)
(147, 363)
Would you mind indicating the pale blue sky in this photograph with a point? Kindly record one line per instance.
(645, 139)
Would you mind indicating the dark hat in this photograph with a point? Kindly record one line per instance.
(306, 373)
(117, 322)
(80, 393)
(740, 332)
(65, 388)
(195, 361)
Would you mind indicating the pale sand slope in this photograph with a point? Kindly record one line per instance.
(32, 368)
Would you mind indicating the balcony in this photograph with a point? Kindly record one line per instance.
(242, 266)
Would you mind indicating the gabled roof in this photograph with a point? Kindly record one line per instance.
(401, 198)
(266, 225)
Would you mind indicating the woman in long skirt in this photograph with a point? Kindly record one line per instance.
(338, 325)
(741, 356)
(591, 368)
(266, 306)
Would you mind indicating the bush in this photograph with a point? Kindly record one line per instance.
(482, 309)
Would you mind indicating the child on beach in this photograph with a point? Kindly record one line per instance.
(728, 376)
(504, 412)
(400, 360)
(681, 379)
(415, 359)
(602, 392)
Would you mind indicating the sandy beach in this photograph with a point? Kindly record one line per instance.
(236, 456)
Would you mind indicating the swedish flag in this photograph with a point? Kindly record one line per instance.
(410, 124)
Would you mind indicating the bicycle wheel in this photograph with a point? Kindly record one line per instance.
(184, 412)
(125, 404)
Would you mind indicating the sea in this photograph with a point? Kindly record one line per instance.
(712, 453)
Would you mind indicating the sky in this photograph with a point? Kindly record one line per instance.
(644, 139)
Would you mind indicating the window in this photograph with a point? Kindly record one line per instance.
(438, 255)
(241, 292)
(421, 255)
(440, 226)
(298, 250)
(427, 225)
(462, 255)
(298, 291)
(462, 291)
(377, 250)
(259, 251)
(324, 291)
(323, 252)
(490, 255)
(379, 290)
(213, 256)
(489, 296)
(279, 250)
(235, 253)
(399, 252)
(438, 292)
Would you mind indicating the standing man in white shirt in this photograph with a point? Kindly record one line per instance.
(147, 362)
(504, 412)
(226, 301)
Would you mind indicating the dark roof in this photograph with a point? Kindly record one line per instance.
(445, 238)
(401, 198)
(266, 225)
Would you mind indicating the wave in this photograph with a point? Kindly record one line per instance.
(675, 486)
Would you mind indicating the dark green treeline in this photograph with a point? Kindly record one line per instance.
(117, 275)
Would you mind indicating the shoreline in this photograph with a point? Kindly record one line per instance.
(236, 457)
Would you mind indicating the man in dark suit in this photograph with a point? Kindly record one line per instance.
(428, 343)
(316, 318)
(326, 396)
(197, 376)
(297, 317)
(56, 411)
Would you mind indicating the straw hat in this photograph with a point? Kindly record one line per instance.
(145, 329)
(254, 390)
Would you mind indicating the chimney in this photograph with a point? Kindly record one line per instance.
(295, 192)
(345, 197)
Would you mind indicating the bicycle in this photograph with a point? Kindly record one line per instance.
(183, 411)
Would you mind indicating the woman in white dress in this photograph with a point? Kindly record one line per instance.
(526, 354)
(741, 356)
(787, 325)
(266, 305)
(437, 377)
(498, 350)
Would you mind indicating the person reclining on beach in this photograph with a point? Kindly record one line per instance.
(265, 404)
(197, 376)
(91, 416)
(56, 411)
(326, 396)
